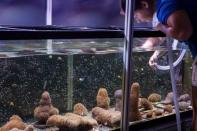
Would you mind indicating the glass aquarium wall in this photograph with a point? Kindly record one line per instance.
(153, 88)
(75, 84)
(41, 80)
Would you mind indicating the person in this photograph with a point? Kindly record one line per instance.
(177, 19)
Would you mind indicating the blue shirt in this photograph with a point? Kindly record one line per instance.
(166, 7)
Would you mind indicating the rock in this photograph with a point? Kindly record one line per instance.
(168, 99)
(144, 103)
(15, 122)
(184, 97)
(71, 121)
(106, 117)
(118, 98)
(154, 97)
(102, 98)
(80, 109)
(45, 109)
(134, 113)
(168, 108)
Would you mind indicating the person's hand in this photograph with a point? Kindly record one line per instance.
(162, 28)
(153, 60)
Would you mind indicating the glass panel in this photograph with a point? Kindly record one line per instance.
(81, 71)
(79, 74)
(155, 90)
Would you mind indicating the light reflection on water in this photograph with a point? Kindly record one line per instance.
(18, 48)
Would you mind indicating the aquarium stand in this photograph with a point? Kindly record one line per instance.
(167, 123)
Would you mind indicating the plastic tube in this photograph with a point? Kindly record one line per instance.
(160, 67)
(180, 58)
(173, 82)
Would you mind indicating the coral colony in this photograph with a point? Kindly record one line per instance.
(48, 118)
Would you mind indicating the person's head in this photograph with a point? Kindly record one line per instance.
(144, 9)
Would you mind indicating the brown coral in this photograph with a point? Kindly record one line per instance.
(154, 97)
(71, 121)
(134, 113)
(149, 114)
(154, 113)
(102, 98)
(45, 108)
(28, 128)
(168, 108)
(183, 105)
(168, 99)
(144, 103)
(15, 122)
(80, 109)
(184, 97)
(158, 112)
(118, 98)
(106, 117)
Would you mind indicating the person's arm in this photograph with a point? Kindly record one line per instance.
(152, 42)
(178, 26)
(153, 59)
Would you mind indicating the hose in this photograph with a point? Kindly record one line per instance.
(173, 82)
(180, 58)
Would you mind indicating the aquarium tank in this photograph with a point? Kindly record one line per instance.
(72, 80)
